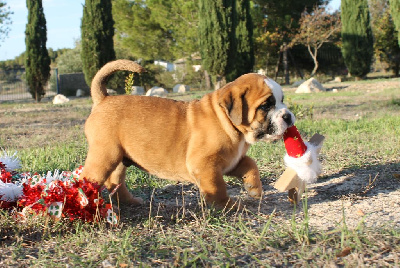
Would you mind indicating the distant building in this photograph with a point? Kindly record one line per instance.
(180, 63)
(170, 67)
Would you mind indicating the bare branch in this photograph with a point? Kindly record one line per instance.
(316, 28)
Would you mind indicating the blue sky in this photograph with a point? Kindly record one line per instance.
(63, 19)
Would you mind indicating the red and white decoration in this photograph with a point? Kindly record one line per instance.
(301, 156)
(58, 195)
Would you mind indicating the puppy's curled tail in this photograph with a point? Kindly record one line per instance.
(98, 88)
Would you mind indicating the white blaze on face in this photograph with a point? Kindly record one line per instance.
(280, 108)
(277, 92)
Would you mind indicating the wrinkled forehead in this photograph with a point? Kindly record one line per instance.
(275, 88)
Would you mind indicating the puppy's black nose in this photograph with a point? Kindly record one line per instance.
(287, 118)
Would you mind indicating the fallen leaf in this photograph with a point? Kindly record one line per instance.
(396, 175)
(360, 212)
(344, 252)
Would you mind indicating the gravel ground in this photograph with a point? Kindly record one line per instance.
(355, 197)
(349, 196)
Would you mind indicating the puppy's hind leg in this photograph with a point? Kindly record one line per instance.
(116, 178)
(247, 170)
(100, 164)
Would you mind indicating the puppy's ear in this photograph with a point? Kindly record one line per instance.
(233, 105)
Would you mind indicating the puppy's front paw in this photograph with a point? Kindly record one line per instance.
(227, 204)
(231, 205)
(253, 191)
(132, 201)
(136, 201)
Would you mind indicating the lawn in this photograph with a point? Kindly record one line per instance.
(350, 217)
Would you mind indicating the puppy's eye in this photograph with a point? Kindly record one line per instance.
(270, 102)
(265, 107)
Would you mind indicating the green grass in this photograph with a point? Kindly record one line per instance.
(395, 102)
(186, 233)
(212, 240)
(64, 156)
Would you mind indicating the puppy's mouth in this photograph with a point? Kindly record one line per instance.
(260, 136)
(270, 133)
(268, 137)
(274, 130)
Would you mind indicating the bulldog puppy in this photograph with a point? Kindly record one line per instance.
(197, 141)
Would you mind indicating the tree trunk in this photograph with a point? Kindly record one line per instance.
(396, 69)
(277, 65)
(286, 65)
(220, 82)
(315, 68)
(299, 72)
(266, 65)
(314, 57)
(37, 96)
(207, 79)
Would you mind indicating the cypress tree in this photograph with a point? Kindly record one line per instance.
(37, 58)
(226, 38)
(214, 30)
(241, 51)
(395, 12)
(357, 41)
(97, 31)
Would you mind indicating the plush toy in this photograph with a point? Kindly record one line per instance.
(57, 194)
(301, 159)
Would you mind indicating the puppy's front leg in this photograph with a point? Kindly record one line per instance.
(213, 187)
(248, 170)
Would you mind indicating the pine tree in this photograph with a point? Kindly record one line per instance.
(395, 12)
(37, 57)
(97, 31)
(154, 29)
(357, 41)
(241, 51)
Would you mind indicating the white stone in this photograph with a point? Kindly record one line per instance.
(196, 67)
(179, 88)
(157, 92)
(111, 91)
(334, 90)
(80, 92)
(337, 79)
(136, 90)
(261, 71)
(60, 99)
(310, 86)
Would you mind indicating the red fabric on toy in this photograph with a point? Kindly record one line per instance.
(294, 144)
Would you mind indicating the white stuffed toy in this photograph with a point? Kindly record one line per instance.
(301, 159)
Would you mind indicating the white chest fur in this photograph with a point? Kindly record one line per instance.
(239, 154)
